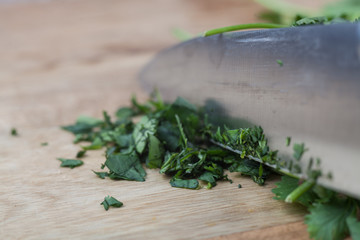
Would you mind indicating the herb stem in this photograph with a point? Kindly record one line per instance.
(303, 188)
(242, 27)
(273, 166)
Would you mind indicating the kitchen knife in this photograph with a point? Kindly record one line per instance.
(301, 82)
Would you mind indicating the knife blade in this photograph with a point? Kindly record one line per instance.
(313, 97)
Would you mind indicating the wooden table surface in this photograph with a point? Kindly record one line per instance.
(62, 59)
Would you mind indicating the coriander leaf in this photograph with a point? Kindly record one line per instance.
(125, 112)
(280, 63)
(96, 144)
(328, 220)
(80, 154)
(125, 166)
(354, 227)
(88, 120)
(299, 150)
(141, 108)
(188, 115)
(156, 153)
(210, 178)
(287, 186)
(124, 141)
(111, 202)
(180, 183)
(169, 134)
(248, 167)
(70, 163)
(44, 144)
(214, 172)
(142, 131)
(184, 104)
(78, 128)
(101, 175)
(107, 120)
(83, 124)
(157, 101)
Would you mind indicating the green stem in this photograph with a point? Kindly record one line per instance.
(300, 190)
(242, 27)
(273, 166)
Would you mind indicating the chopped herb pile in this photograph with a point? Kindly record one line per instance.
(178, 140)
(111, 202)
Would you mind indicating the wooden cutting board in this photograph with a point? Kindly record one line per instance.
(62, 59)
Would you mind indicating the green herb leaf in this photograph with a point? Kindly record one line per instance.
(280, 63)
(101, 175)
(328, 221)
(180, 183)
(44, 144)
(156, 153)
(96, 144)
(111, 202)
(354, 227)
(299, 150)
(125, 166)
(83, 124)
(169, 135)
(80, 154)
(248, 167)
(88, 120)
(288, 141)
(70, 163)
(125, 113)
(141, 108)
(142, 131)
(124, 140)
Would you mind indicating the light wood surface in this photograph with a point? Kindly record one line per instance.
(62, 59)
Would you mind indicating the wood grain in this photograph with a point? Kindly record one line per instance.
(65, 58)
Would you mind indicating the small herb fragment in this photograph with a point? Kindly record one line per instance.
(299, 150)
(44, 144)
(101, 175)
(80, 154)
(70, 163)
(111, 202)
(180, 183)
(14, 132)
(288, 141)
(280, 63)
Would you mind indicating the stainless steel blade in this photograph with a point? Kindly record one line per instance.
(314, 97)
